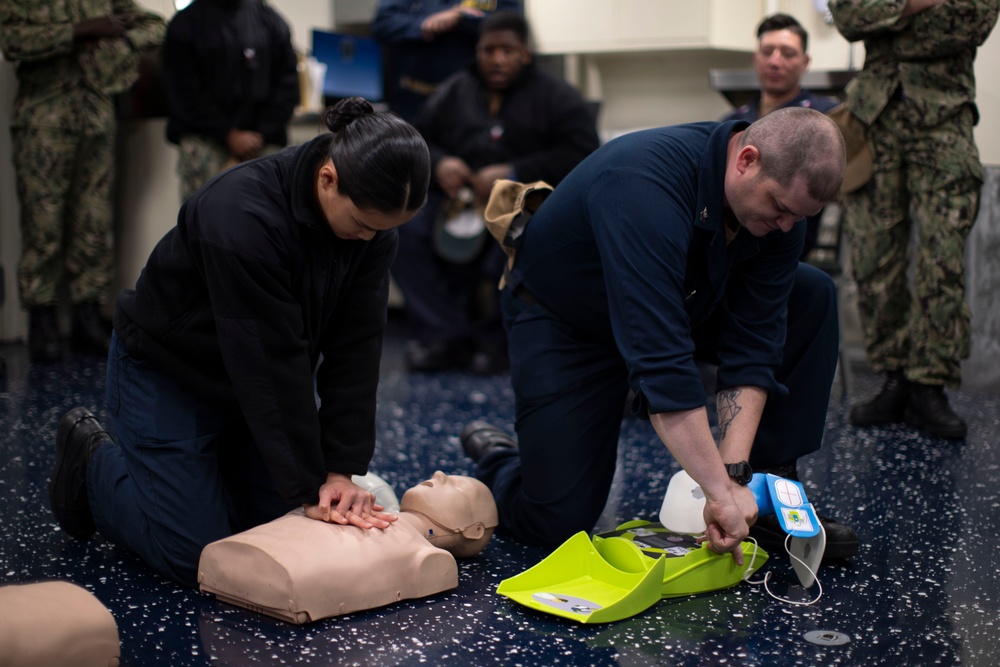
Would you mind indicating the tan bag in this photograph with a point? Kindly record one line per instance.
(860, 162)
(509, 209)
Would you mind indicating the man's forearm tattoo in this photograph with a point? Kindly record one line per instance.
(725, 400)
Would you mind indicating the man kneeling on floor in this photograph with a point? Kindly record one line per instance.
(664, 248)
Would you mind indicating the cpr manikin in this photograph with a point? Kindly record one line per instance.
(301, 570)
(53, 624)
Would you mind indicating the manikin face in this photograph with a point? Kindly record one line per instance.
(461, 509)
(780, 62)
(346, 220)
(452, 500)
(500, 56)
(759, 203)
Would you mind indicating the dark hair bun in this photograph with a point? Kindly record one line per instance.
(344, 112)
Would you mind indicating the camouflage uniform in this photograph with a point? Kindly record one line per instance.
(916, 93)
(202, 158)
(63, 138)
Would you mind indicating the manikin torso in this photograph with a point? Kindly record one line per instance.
(300, 570)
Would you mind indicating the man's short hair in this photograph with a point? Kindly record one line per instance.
(798, 142)
(784, 22)
(506, 21)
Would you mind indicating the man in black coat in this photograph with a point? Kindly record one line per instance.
(500, 119)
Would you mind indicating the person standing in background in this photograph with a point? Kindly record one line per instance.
(500, 118)
(232, 85)
(916, 94)
(428, 42)
(780, 61)
(71, 58)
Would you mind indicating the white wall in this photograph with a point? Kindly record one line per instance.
(649, 89)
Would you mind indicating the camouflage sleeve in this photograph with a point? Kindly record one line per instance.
(946, 30)
(34, 31)
(859, 19)
(145, 29)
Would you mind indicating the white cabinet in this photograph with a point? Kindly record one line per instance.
(604, 26)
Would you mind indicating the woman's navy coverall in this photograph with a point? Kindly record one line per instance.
(624, 278)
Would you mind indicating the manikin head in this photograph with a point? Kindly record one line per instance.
(459, 513)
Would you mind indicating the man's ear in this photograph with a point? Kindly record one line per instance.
(746, 158)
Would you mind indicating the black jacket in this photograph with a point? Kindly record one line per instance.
(544, 127)
(240, 299)
(229, 64)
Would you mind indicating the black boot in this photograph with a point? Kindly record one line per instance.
(80, 435)
(480, 438)
(43, 334)
(888, 405)
(929, 411)
(437, 356)
(91, 332)
(841, 540)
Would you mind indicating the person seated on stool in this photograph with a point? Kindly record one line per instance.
(499, 119)
(302, 570)
(215, 361)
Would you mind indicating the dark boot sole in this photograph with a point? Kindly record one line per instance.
(76, 521)
(913, 420)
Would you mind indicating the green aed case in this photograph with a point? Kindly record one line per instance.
(618, 574)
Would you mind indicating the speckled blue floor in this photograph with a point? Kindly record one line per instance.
(924, 590)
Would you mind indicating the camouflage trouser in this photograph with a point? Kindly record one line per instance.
(930, 177)
(64, 185)
(202, 158)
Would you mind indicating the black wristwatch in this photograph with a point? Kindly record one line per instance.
(740, 472)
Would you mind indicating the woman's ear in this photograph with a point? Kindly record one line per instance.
(327, 179)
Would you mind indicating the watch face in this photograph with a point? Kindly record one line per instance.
(740, 472)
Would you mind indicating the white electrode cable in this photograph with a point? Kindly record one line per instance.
(767, 576)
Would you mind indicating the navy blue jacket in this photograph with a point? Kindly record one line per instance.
(411, 57)
(631, 249)
(240, 299)
(751, 112)
(229, 64)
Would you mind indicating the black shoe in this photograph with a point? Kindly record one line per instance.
(80, 435)
(433, 357)
(888, 405)
(490, 358)
(43, 334)
(480, 438)
(929, 411)
(841, 540)
(91, 332)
